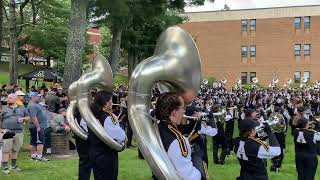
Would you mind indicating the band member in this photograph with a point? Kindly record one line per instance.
(105, 159)
(169, 110)
(230, 116)
(305, 150)
(85, 165)
(196, 131)
(281, 137)
(220, 139)
(252, 152)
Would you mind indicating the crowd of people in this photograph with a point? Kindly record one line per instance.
(184, 128)
(42, 110)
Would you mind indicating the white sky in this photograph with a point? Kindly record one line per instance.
(248, 4)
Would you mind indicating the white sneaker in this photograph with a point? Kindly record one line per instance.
(43, 159)
(6, 170)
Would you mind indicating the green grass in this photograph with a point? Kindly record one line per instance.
(132, 168)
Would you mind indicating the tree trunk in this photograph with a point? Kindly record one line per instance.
(115, 50)
(76, 42)
(34, 13)
(13, 43)
(1, 22)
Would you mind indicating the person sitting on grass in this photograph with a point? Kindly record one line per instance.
(59, 124)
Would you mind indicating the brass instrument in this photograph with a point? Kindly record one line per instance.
(205, 81)
(277, 123)
(102, 78)
(175, 48)
(303, 84)
(72, 93)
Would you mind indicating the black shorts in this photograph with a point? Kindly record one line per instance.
(34, 140)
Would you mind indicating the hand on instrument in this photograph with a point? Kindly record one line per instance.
(267, 128)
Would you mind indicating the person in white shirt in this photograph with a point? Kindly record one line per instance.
(169, 110)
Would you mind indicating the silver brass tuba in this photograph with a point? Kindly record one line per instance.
(100, 77)
(176, 65)
(72, 93)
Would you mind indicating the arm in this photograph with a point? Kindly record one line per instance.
(207, 130)
(183, 165)
(114, 130)
(316, 137)
(33, 115)
(271, 152)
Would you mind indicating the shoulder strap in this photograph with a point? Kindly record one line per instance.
(114, 120)
(181, 140)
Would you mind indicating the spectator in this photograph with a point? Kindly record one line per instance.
(53, 102)
(20, 98)
(12, 118)
(63, 97)
(37, 127)
(47, 130)
(59, 124)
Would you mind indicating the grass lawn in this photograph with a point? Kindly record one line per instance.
(131, 167)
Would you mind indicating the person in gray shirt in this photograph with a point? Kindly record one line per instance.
(12, 118)
(37, 126)
(53, 102)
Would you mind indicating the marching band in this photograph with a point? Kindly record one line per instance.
(173, 139)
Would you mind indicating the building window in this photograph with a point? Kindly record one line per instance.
(306, 74)
(244, 51)
(297, 22)
(307, 22)
(297, 49)
(306, 49)
(252, 25)
(244, 25)
(253, 51)
(252, 75)
(244, 77)
(297, 76)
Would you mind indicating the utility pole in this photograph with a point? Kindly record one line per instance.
(13, 43)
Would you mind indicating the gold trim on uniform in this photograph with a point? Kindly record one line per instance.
(114, 120)
(264, 144)
(193, 136)
(205, 167)
(309, 130)
(182, 142)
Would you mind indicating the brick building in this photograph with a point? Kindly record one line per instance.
(268, 43)
(94, 39)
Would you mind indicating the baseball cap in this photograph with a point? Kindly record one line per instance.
(34, 94)
(19, 93)
(247, 124)
(62, 110)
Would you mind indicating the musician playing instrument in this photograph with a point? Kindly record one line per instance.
(196, 130)
(103, 157)
(305, 141)
(169, 110)
(252, 152)
(220, 139)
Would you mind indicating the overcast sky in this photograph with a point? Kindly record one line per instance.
(247, 4)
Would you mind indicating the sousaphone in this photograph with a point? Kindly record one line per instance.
(100, 77)
(175, 66)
